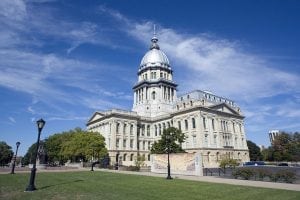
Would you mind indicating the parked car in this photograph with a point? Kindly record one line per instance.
(283, 164)
(254, 163)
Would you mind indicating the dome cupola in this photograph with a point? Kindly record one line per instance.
(155, 56)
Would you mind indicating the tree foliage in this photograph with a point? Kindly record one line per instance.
(75, 145)
(228, 162)
(29, 156)
(172, 137)
(285, 147)
(254, 151)
(6, 153)
(84, 146)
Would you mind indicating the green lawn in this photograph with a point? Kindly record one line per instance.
(104, 185)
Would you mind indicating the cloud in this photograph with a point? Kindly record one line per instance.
(13, 9)
(267, 93)
(216, 64)
(11, 119)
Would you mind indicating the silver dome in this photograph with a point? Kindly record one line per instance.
(154, 57)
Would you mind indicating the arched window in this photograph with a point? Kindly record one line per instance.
(169, 125)
(159, 129)
(194, 122)
(131, 129)
(186, 124)
(124, 157)
(164, 126)
(179, 125)
(118, 128)
(131, 157)
(233, 127)
(124, 128)
(153, 95)
(204, 123)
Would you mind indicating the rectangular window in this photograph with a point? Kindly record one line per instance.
(131, 144)
(148, 130)
(213, 124)
(194, 141)
(149, 145)
(117, 143)
(124, 143)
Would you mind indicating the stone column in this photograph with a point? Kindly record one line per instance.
(113, 134)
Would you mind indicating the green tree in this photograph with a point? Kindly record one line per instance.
(254, 151)
(285, 147)
(54, 145)
(172, 137)
(6, 153)
(29, 156)
(84, 146)
(281, 145)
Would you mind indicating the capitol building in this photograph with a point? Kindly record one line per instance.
(214, 125)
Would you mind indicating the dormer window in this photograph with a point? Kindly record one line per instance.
(153, 95)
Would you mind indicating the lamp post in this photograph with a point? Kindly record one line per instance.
(92, 169)
(168, 137)
(31, 187)
(14, 158)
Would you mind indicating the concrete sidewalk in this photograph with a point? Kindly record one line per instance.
(212, 179)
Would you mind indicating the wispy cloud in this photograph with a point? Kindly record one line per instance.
(12, 120)
(226, 68)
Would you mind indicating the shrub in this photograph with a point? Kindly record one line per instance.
(244, 173)
(132, 168)
(228, 162)
(286, 176)
(262, 173)
(247, 173)
(236, 173)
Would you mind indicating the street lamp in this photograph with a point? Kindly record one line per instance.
(92, 169)
(168, 137)
(31, 187)
(14, 158)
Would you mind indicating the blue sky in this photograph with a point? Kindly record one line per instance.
(63, 60)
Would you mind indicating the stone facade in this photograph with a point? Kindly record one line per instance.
(214, 125)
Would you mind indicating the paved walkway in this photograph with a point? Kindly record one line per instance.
(211, 179)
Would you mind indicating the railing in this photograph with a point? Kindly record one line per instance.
(208, 170)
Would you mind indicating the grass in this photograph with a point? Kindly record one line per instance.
(107, 186)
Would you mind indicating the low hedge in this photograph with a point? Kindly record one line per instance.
(248, 173)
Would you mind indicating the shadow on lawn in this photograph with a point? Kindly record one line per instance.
(64, 183)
